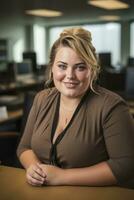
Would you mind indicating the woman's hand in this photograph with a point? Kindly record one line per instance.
(54, 175)
(35, 175)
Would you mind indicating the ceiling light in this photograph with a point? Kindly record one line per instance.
(109, 4)
(109, 17)
(44, 13)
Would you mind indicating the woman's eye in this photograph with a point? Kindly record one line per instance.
(62, 67)
(81, 68)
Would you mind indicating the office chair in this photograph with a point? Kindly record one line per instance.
(28, 101)
(9, 139)
(129, 83)
(105, 60)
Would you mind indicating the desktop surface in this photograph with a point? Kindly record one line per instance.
(12, 116)
(34, 84)
(13, 185)
(12, 102)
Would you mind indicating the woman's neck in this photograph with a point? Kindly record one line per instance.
(69, 104)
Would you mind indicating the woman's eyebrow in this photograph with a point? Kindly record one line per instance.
(62, 62)
(77, 64)
(81, 63)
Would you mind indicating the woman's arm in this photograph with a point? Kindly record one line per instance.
(96, 175)
(28, 158)
(118, 129)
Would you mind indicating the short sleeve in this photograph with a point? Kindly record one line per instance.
(118, 126)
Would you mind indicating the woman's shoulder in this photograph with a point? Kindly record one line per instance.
(105, 99)
(107, 95)
(104, 102)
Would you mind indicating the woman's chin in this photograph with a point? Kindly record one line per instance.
(70, 94)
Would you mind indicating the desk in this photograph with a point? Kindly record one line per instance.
(18, 87)
(13, 186)
(12, 116)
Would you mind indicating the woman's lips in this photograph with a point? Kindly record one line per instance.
(71, 84)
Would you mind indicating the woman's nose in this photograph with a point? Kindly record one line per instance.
(70, 73)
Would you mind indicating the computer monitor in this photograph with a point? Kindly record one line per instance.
(23, 70)
(31, 55)
(3, 66)
(130, 61)
(3, 72)
(7, 72)
(105, 59)
(129, 84)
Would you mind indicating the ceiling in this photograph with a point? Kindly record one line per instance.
(74, 11)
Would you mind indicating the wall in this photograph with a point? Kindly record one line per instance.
(15, 34)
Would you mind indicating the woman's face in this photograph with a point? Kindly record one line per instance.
(70, 73)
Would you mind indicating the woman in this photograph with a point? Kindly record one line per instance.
(77, 133)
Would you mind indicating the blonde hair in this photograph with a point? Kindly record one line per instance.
(80, 41)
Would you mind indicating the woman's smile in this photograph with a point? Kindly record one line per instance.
(71, 85)
(70, 74)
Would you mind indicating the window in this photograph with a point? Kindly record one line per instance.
(132, 40)
(106, 38)
(39, 35)
(18, 49)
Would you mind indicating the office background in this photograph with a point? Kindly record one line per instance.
(26, 32)
(24, 36)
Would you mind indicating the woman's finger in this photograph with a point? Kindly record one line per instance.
(40, 172)
(35, 175)
(34, 181)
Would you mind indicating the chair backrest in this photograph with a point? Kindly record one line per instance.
(28, 101)
(129, 85)
(9, 140)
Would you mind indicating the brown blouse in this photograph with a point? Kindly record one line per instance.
(101, 129)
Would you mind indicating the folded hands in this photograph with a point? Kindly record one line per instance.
(42, 174)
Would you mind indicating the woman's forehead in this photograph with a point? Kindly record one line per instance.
(67, 53)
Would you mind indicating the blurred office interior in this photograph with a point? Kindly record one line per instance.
(28, 29)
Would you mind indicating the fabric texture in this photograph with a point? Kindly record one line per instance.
(101, 129)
